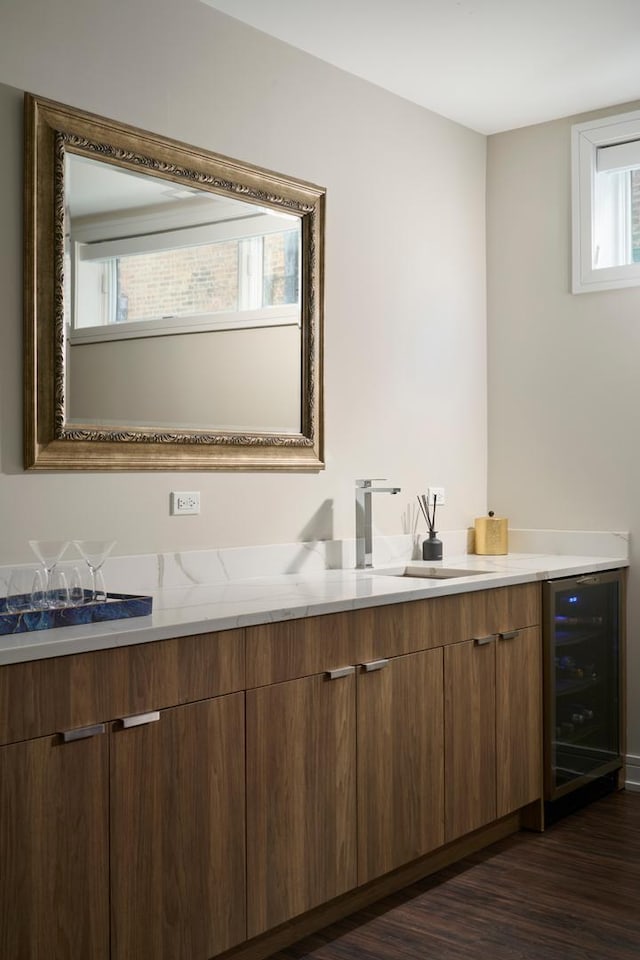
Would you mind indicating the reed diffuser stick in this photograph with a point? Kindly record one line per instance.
(429, 515)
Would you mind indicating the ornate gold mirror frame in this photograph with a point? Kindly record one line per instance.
(52, 442)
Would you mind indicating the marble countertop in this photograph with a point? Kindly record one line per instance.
(201, 607)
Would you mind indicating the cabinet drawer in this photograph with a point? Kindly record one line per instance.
(500, 610)
(300, 648)
(47, 696)
(422, 624)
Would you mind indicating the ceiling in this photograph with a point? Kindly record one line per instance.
(491, 65)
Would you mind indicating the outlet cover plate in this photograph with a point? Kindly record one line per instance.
(438, 493)
(185, 503)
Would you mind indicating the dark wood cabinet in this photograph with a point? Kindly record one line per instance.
(238, 785)
(54, 849)
(371, 730)
(178, 833)
(301, 797)
(400, 736)
(493, 698)
(311, 750)
(470, 736)
(124, 837)
(518, 719)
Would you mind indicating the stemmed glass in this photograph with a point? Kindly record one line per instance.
(48, 553)
(95, 552)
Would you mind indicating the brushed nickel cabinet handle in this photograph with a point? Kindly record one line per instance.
(340, 672)
(140, 719)
(588, 579)
(82, 733)
(509, 634)
(374, 665)
(482, 641)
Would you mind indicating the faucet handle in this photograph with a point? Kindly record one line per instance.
(367, 483)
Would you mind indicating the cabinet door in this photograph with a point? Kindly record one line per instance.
(518, 719)
(54, 858)
(400, 762)
(470, 736)
(178, 834)
(301, 799)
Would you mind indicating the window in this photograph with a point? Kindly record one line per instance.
(210, 277)
(606, 203)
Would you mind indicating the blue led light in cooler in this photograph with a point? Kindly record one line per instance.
(572, 599)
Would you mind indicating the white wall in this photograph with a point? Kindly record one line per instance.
(405, 270)
(246, 379)
(564, 370)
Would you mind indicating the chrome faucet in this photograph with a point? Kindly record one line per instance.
(364, 534)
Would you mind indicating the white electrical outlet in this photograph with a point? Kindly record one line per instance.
(185, 504)
(438, 493)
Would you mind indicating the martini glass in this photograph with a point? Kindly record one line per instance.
(95, 552)
(48, 553)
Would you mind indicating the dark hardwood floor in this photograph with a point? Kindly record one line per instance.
(572, 893)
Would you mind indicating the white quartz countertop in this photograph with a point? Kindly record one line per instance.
(206, 607)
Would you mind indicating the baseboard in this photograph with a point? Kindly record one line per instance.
(632, 779)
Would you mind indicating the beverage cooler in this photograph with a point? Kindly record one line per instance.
(583, 644)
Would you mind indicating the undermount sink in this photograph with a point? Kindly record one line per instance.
(429, 573)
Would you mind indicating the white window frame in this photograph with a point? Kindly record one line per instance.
(586, 139)
(250, 229)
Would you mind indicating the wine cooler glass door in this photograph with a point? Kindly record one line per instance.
(582, 680)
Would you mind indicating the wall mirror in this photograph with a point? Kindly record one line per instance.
(173, 303)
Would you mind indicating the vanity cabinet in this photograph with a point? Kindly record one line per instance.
(123, 835)
(54, 849)
(351, 719)
(345, 781)
(487, 728)
(493, 696)
(301, 797)
(518, 719)
(178, 833)
(400, 741)
(182, 797)
(470, 754)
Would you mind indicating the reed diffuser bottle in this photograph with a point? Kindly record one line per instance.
(432, 546)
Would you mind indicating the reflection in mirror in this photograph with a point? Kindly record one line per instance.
(166, 279)
(175, 317)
